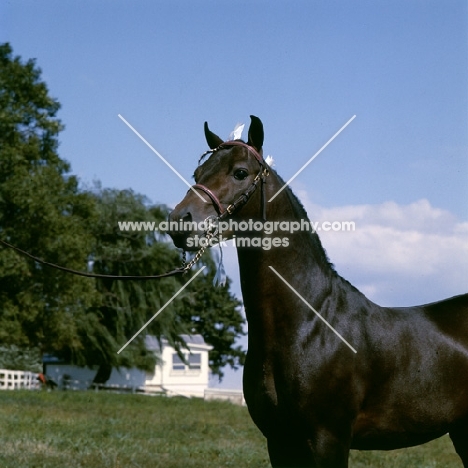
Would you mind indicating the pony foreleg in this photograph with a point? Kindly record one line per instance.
(322, 451)
(459, 436)
(289, 452)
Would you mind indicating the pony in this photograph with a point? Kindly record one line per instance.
(375, 378)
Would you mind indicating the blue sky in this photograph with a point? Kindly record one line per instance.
(305, 67)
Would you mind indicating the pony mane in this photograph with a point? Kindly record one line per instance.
(317, 243)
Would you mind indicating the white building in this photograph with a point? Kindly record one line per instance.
(171, 375)
(175, 377)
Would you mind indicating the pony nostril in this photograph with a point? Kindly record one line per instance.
(176, 216)
(178, 223)
(186, 222)
(187, 218)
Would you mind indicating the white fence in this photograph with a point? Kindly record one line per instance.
(11, 380)
(234, 396)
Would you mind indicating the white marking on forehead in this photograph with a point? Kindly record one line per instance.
(236, 134)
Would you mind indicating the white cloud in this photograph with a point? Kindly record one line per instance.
(398, 254)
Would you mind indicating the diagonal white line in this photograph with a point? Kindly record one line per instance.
(161, 309)
(312, 158)
(311, 308)
(162, 158)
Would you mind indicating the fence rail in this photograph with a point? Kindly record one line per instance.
(13, 379)
(234, 396)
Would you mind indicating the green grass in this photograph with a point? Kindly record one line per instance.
(88, 429)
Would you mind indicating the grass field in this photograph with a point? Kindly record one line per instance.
(88, 429)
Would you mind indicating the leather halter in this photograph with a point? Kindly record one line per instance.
(244, 197)
(214, 198)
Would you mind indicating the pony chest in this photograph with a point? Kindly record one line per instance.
(273, 394)
(260, 395)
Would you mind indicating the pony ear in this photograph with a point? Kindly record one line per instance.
(213, 140)
(255, 133)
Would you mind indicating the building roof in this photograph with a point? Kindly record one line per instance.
(196, 341)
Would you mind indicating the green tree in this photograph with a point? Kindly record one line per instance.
(16, 358)
(214, 313)
(44, 211)
(126, 306)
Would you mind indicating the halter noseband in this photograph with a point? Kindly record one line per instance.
(245, 196)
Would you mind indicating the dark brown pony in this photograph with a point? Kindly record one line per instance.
(312, 397)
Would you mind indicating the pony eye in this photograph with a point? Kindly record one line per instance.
(240, 174)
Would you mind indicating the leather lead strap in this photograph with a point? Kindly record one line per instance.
(177, 271)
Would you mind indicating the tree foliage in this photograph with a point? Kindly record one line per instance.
(209, 312)
(16, 358)
(44, 211)
(41, 210)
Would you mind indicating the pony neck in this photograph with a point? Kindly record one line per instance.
(302, 262)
